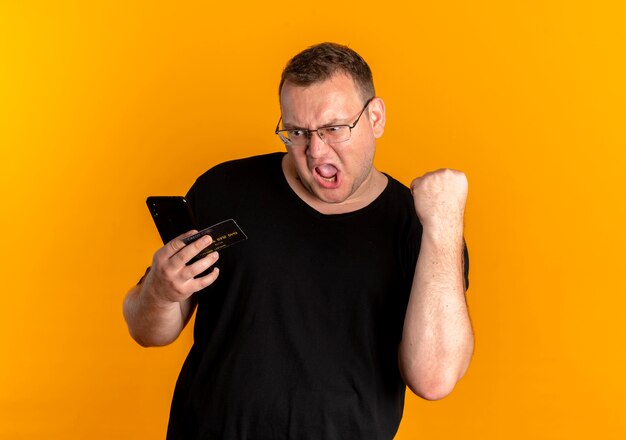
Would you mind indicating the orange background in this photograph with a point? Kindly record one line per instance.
(105, 103)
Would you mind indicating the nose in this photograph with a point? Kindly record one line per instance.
(316, 146)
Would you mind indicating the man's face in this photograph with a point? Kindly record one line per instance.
(341, 172)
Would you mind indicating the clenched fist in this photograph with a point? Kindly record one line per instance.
(440, 198)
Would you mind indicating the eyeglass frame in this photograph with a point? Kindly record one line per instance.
(308, 133)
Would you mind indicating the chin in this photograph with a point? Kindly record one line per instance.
(332, 197)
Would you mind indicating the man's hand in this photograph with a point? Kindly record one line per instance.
(170, 279)
(158, 309)
(440, 198)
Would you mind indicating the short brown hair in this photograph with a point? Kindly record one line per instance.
(322, 61)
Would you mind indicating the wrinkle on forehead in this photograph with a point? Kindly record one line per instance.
(331, 102)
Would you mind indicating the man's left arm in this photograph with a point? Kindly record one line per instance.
(437, 339)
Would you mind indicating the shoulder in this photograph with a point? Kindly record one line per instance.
(230, 187)
(238, 173)
(233, 181)
(398, 194)
(245, 167)
(397, 186)
(398, 207)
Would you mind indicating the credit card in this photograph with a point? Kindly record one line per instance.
(224, 234)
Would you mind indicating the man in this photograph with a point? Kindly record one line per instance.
(311, 328)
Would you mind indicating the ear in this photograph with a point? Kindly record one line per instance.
(377, 118)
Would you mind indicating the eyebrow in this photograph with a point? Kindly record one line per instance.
(333, 123)
(291, 127)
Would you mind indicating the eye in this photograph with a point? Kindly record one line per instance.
(296, 133)
(335, 130)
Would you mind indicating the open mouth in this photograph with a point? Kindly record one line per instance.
(329, 179)
(327, 173)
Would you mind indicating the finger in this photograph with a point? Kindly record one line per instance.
(183, 256)
(201, 265)
(177, 243)
(200, 283)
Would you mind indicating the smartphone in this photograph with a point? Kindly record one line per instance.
(172, 216)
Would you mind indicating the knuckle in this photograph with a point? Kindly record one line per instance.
(173, 245)
(159, 256)
(166, 276)
(180, 258)
(209, 260)
(210, 278)
(176, 290)
(213, 275)
(202, 243)
(159, 268)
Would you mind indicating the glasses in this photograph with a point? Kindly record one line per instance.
(330, 134)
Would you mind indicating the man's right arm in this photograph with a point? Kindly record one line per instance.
(158, 308)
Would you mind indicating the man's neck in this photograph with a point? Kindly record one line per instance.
(369, 191)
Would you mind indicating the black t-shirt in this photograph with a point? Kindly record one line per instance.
(298, 337)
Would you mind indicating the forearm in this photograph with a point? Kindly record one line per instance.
(159, 307)
(437, 340)
(154, 323)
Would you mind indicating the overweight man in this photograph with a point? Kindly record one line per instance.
(350, 287)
